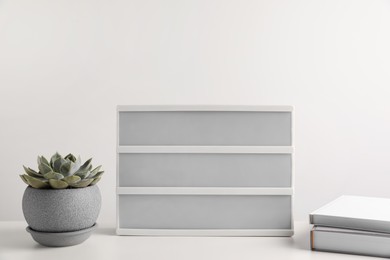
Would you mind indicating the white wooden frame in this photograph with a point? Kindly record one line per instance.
(121, 149)
(204, 149)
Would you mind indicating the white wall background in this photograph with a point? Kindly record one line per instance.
(66, 64)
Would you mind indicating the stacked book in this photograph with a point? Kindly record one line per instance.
(352, 225)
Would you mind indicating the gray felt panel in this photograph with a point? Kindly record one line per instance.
(205, 128)
(204, 212)
(204, 170)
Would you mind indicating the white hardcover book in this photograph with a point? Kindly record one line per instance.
(355, 212)
(350, 241)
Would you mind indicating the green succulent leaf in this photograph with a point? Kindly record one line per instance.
(58, 184)
(31, 172)
(94, 171)
(58, 163)
(96, 180)
(35, 182)
(53, 175)
(44, 160)
(72, 179)
(84, 169)
(70, 157)
(75, 166)
(65, 168)
(24, 179)
(89, 171)
(54, 158)
(99, 174)
(82, 184)
(39, 160)
(44, 168)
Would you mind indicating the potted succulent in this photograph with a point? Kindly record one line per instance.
(62, 202)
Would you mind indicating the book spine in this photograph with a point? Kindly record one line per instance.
(312, 239)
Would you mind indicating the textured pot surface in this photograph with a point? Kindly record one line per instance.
(51, 210)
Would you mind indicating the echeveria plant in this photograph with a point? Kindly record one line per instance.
(62, 173)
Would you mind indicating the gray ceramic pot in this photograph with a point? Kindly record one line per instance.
(67, 210)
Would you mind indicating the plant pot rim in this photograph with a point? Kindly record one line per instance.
(66, 189)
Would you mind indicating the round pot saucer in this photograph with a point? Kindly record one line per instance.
(59, 239)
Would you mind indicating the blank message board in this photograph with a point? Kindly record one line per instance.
(205, 170)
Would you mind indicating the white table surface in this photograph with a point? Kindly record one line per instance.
(16, 243)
